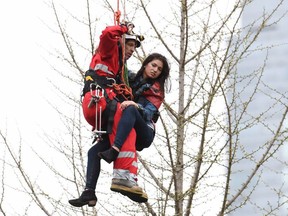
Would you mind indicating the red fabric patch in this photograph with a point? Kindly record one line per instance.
(90, 112)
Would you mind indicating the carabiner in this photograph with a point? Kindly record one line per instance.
(113, 81)
(97, 92)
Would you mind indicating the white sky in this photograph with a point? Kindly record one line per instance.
(23, 109)
(21, 62)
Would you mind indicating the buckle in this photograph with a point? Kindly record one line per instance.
(95, 97)
(95, 87)
(112, 83)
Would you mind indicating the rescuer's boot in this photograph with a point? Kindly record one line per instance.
(137, 198)
(88, 197)
(129, 189)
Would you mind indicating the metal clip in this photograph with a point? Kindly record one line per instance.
(113, 81)
(95, 90)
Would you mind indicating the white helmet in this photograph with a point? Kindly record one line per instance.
(133, 37)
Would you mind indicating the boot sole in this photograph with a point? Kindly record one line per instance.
(125, 190)
(137, 198)
(90, 203)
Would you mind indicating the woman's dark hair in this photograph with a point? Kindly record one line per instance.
(165, 70)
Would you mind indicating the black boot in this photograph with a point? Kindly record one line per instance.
(109, 155)
(87, 197)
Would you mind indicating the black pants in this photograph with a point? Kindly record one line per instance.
(93, 163)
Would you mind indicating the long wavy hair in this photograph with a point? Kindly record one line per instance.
(163, 77)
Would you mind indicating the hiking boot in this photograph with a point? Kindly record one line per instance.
(88, 197)
(109, 155)
(127, 188)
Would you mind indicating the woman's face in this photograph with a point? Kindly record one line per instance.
(153, 69)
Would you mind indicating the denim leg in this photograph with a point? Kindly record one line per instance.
(144, 138)
(131, 118)
(125, 125)
(93, 163)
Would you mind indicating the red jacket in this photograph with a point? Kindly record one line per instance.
(154, 95)
(106, 58)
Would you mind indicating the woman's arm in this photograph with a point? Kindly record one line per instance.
(147, 109)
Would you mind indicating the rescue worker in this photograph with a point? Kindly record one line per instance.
(105, 68)
(141, 115)
(104, 72)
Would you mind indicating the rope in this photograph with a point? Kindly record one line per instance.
(117, 16)
(124, 88)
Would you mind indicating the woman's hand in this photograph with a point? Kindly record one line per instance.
(125, 104)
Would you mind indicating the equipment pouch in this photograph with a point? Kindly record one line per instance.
(89, 78)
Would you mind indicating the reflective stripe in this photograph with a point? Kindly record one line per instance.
(124, 174)
(104, 68)
(135, 164)
(126, 154)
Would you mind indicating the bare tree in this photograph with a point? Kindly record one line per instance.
(210, 114)
(202, 162)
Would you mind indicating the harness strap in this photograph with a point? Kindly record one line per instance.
(109, 114)
(91, 77)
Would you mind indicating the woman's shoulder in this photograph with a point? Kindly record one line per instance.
(156, 87)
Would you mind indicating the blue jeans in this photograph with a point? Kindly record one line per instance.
(131, 118)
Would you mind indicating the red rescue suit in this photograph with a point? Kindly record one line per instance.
(105, 62)
(107, 53)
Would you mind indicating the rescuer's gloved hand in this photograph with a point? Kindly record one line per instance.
(129, 26)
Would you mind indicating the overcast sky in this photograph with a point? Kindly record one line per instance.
(22, 77)
(23, 109)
